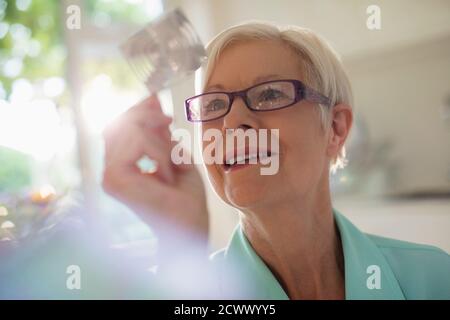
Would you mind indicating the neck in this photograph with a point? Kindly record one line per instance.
(298, 240)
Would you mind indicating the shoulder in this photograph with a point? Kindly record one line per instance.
(421, 270)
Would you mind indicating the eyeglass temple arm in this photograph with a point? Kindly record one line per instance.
(314, 96)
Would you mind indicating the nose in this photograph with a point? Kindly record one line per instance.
(239, 116)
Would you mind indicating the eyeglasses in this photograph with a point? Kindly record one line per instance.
(265, 96)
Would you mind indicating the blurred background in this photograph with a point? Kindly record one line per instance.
(60, 87)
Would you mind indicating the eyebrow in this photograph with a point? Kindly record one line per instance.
(255, 81)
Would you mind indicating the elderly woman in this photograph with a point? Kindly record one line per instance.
(290, 242)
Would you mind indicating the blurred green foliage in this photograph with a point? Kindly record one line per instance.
(15, 172)
(34, 37)
(117, 11)
(34, 33)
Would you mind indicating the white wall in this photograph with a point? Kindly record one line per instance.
(422, 221)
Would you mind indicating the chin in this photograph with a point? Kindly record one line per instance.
(245, 195)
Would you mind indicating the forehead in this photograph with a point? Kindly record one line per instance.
(245, 63)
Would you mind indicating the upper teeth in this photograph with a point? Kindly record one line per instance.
(243, 157)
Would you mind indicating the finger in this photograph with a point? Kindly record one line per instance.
(136, 190)
(182, 166)
(159, 151)
(141, 111)
(116, 130)
(149, 112)
(133, 145)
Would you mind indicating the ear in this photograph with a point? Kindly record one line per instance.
(341, 123)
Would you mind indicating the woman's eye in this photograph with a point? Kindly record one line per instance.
(215, 105)
(270, 94)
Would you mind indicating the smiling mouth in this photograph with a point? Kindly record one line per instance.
(244, 161)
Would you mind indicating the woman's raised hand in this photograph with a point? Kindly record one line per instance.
(174, 194)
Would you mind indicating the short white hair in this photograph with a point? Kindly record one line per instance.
(322, 66)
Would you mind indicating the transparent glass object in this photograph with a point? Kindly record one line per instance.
(162, 53)
(165, 51)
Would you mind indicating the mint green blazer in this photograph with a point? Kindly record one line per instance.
(375, 268)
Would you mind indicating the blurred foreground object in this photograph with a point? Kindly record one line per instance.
(71, 259)
(164, 51)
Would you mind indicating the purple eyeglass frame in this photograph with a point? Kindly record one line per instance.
(301, 92)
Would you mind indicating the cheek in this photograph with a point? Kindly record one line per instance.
(214, 176)
(304, 143)
(216, 181)
(305, 156)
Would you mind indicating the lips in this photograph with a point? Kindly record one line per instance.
(242, 157)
